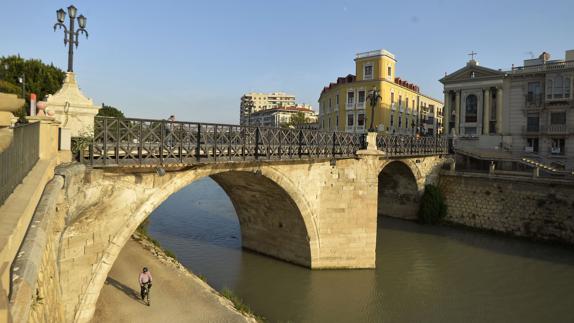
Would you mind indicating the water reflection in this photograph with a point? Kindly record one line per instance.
(424, 274)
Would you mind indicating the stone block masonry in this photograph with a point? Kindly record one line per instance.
(540, 209)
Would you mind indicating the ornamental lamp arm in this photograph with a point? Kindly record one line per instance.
(81, 31)
(61, 25)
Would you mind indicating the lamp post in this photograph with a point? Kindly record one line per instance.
(373, 98)
(71, 34)
(22, 80)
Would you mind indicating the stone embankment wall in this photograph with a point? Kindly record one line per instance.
(525, 207)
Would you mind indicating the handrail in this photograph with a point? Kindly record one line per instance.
(134, 141)
(18, 158)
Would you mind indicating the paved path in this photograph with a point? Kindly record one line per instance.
(175, 296)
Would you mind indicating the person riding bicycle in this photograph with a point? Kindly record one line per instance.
(145, 279)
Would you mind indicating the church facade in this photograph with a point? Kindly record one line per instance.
(523, 113)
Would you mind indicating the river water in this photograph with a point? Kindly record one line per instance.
(423, 274)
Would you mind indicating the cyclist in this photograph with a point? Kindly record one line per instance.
(145, 279)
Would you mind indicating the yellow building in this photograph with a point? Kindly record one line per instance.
(344, 104)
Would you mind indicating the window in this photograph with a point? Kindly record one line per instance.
(350, 98)
(534, 92)
(389, 70)
(329, 124)
(557, 147)
(549, 85)
(361, 97)
(392, 119)
(557, 91)
(400, 101)
(368, 72)
(407, 102)
(566, 87)
(337, 121)
(350, 120)
(471, 109)
(337, 100)
(361, 120)
(558, 118)
(330, 104)
(392, 98)
(400, 120)
(531, 145)
(532, 122)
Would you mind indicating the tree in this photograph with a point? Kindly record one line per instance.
(298, 119)
(433, 207)
(39, 77)
(110, 111)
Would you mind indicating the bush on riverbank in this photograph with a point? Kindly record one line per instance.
(432, 208)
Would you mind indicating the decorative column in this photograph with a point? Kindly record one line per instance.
(457, 117)
(446, 113)
(486, 112)
(499, 111)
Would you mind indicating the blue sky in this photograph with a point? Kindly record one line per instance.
(195, 59)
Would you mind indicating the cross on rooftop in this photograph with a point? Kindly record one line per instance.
(472, 54)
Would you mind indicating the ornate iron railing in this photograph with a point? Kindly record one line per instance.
(19, 158)
(403, 146)
(125, 141)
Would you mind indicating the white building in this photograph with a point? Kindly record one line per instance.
(276, 117)
(253, 102)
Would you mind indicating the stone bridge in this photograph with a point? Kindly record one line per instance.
(306, 197)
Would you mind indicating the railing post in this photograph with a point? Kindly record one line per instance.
(180, 139)
(215, 143)
(257, 143)
(140, 141)
(198, 144)
(300, 139)
(117, 148)
(333, 149)
(229, 139)
(161, 141)
(105, 141)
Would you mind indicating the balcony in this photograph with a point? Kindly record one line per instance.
(531, 130)
(557, 129)
(555, 66)
(556, 151)
(350, 105)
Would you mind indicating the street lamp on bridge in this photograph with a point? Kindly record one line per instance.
(71, 34)
(373, 98)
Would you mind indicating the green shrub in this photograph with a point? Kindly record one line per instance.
(432, 208)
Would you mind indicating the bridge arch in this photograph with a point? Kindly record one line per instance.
(399, 189)
(275, 218)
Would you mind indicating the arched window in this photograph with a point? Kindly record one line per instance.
(471, 111)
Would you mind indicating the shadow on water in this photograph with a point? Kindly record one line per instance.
(125, 289)
(490, 241)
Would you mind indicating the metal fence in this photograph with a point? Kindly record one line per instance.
(124, 141)
(19, 158)
(411, 146)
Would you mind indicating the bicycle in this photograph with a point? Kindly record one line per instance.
(145, 293)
